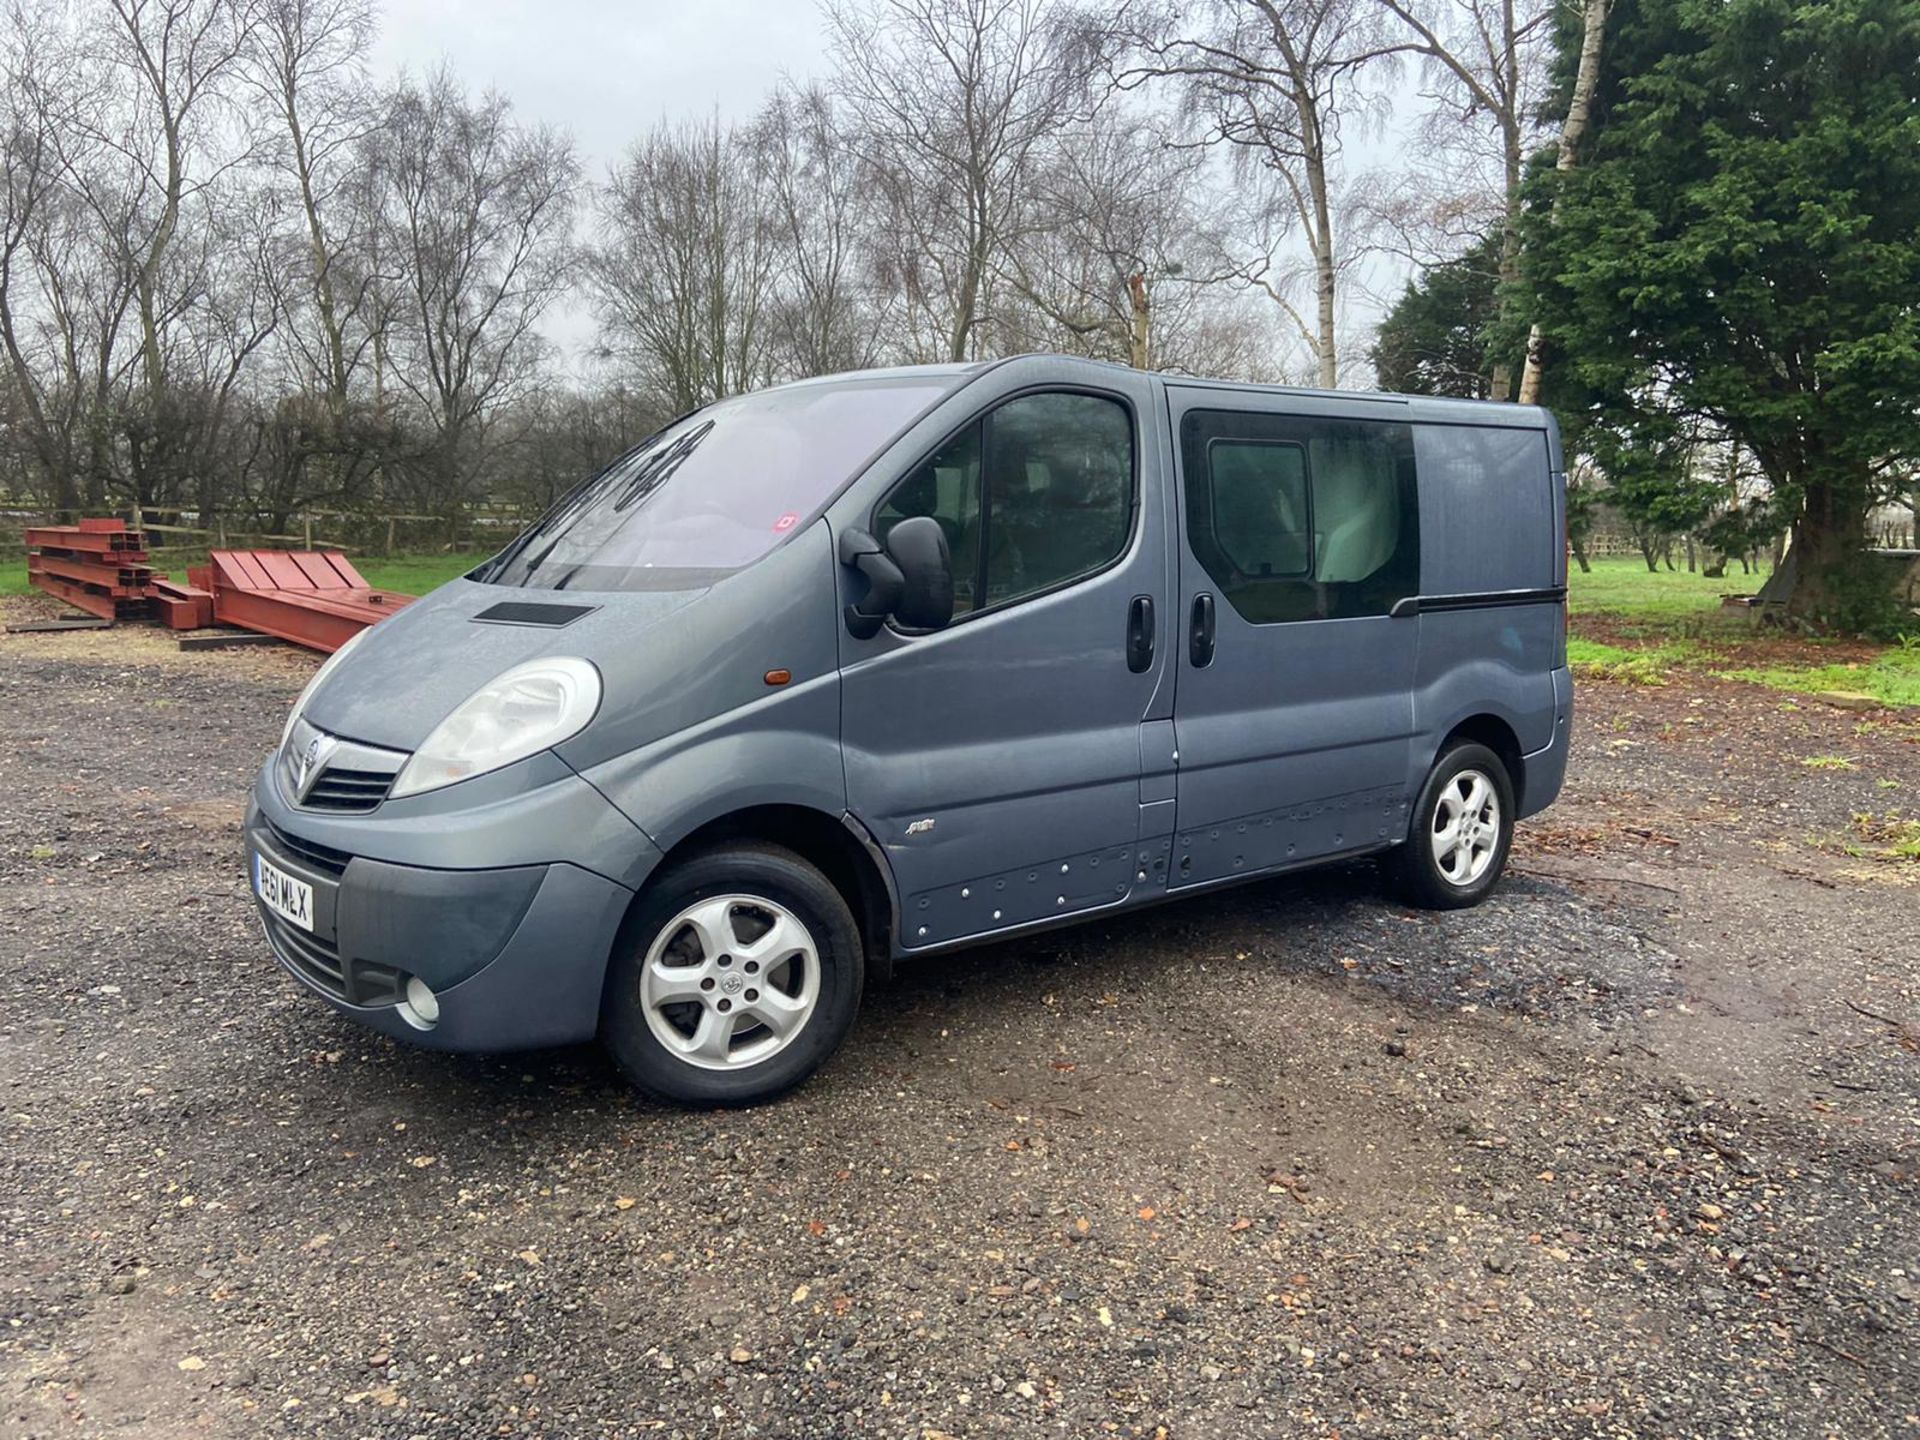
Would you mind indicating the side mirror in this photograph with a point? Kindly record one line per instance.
(918, 546)
(910, 578)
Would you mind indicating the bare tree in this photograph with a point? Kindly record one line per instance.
(306, 63)
(950, 101)
(1276, 80)
(684, 262)
(827, 313)
(30, 189)
(480, 211)
(1488, 59)
(173, 59)
(1120, 255)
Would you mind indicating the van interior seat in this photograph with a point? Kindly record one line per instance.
(1357, 520)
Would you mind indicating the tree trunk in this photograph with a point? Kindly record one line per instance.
(1325, 276)
(1500, 382)
(1579, 111)
(1139, 346)
(1834, 583)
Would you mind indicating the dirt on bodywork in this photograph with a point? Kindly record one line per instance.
(1632, 1149)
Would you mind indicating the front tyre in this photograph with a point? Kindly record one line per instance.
(1461, 830)
(737, 975)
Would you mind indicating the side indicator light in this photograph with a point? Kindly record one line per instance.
(778, 677)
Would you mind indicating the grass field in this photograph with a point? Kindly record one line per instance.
(1656, 627)
(416, 574)
(1622, 585)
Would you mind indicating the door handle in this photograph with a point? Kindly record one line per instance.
(1200, 632)
(1140, 634)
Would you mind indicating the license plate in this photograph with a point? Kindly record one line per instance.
(290, 899)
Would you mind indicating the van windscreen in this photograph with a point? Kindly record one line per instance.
(715, 490)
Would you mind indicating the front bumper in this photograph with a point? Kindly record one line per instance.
(515, 952)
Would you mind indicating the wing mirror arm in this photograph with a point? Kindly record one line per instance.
(885, 584)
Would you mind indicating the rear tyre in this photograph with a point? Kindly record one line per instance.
(1461, 830)
(737, 974)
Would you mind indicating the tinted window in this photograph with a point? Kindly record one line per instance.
(715, 490)
(1471, 473)
(1302, 519)
(947, 487)
(1259, 499)
(1031, 495)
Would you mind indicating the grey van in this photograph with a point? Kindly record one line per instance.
(883, 664)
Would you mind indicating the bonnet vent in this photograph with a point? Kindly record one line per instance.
(529, 612)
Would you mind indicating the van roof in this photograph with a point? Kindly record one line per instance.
(1432, 407)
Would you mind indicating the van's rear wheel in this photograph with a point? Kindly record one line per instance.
(1461, 831)
(738, 973)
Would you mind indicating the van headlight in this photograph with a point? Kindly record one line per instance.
(527, 709)
(319, 678)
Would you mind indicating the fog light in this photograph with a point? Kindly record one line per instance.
(421, 1008)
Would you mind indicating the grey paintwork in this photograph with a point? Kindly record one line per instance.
(1016, 732)
(1295, 740)
(1006, 772)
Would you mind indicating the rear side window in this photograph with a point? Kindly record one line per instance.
(1032, 495)
(1298, 519)
(1487, 509)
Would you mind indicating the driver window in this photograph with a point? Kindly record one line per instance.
(947, 487)
(1031, 496)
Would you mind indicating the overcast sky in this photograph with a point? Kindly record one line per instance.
(607, 71)
(604, 70)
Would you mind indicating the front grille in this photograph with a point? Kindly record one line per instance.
(345, 777)
(355, 982)
(323, 858)
(348, 791)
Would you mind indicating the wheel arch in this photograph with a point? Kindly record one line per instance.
(1498, 736)
(837, 846)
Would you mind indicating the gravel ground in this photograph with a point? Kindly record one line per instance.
(1633, 1149)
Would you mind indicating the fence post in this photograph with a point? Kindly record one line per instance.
(389, 537)
(306, 532)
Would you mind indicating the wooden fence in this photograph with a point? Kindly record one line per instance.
(353, 531)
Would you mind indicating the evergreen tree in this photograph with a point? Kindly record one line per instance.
(1438, 338)
(1740, 242)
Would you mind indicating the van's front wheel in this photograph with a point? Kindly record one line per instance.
(1462, 828)
(737, 975)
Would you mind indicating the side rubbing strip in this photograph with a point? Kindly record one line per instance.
(1481, 600)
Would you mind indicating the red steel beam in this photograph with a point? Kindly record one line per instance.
(310, 598)
(95, 542)
(92, 601)
(183, 607)
(126, 581)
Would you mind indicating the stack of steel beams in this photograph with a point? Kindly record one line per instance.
(99, 565)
